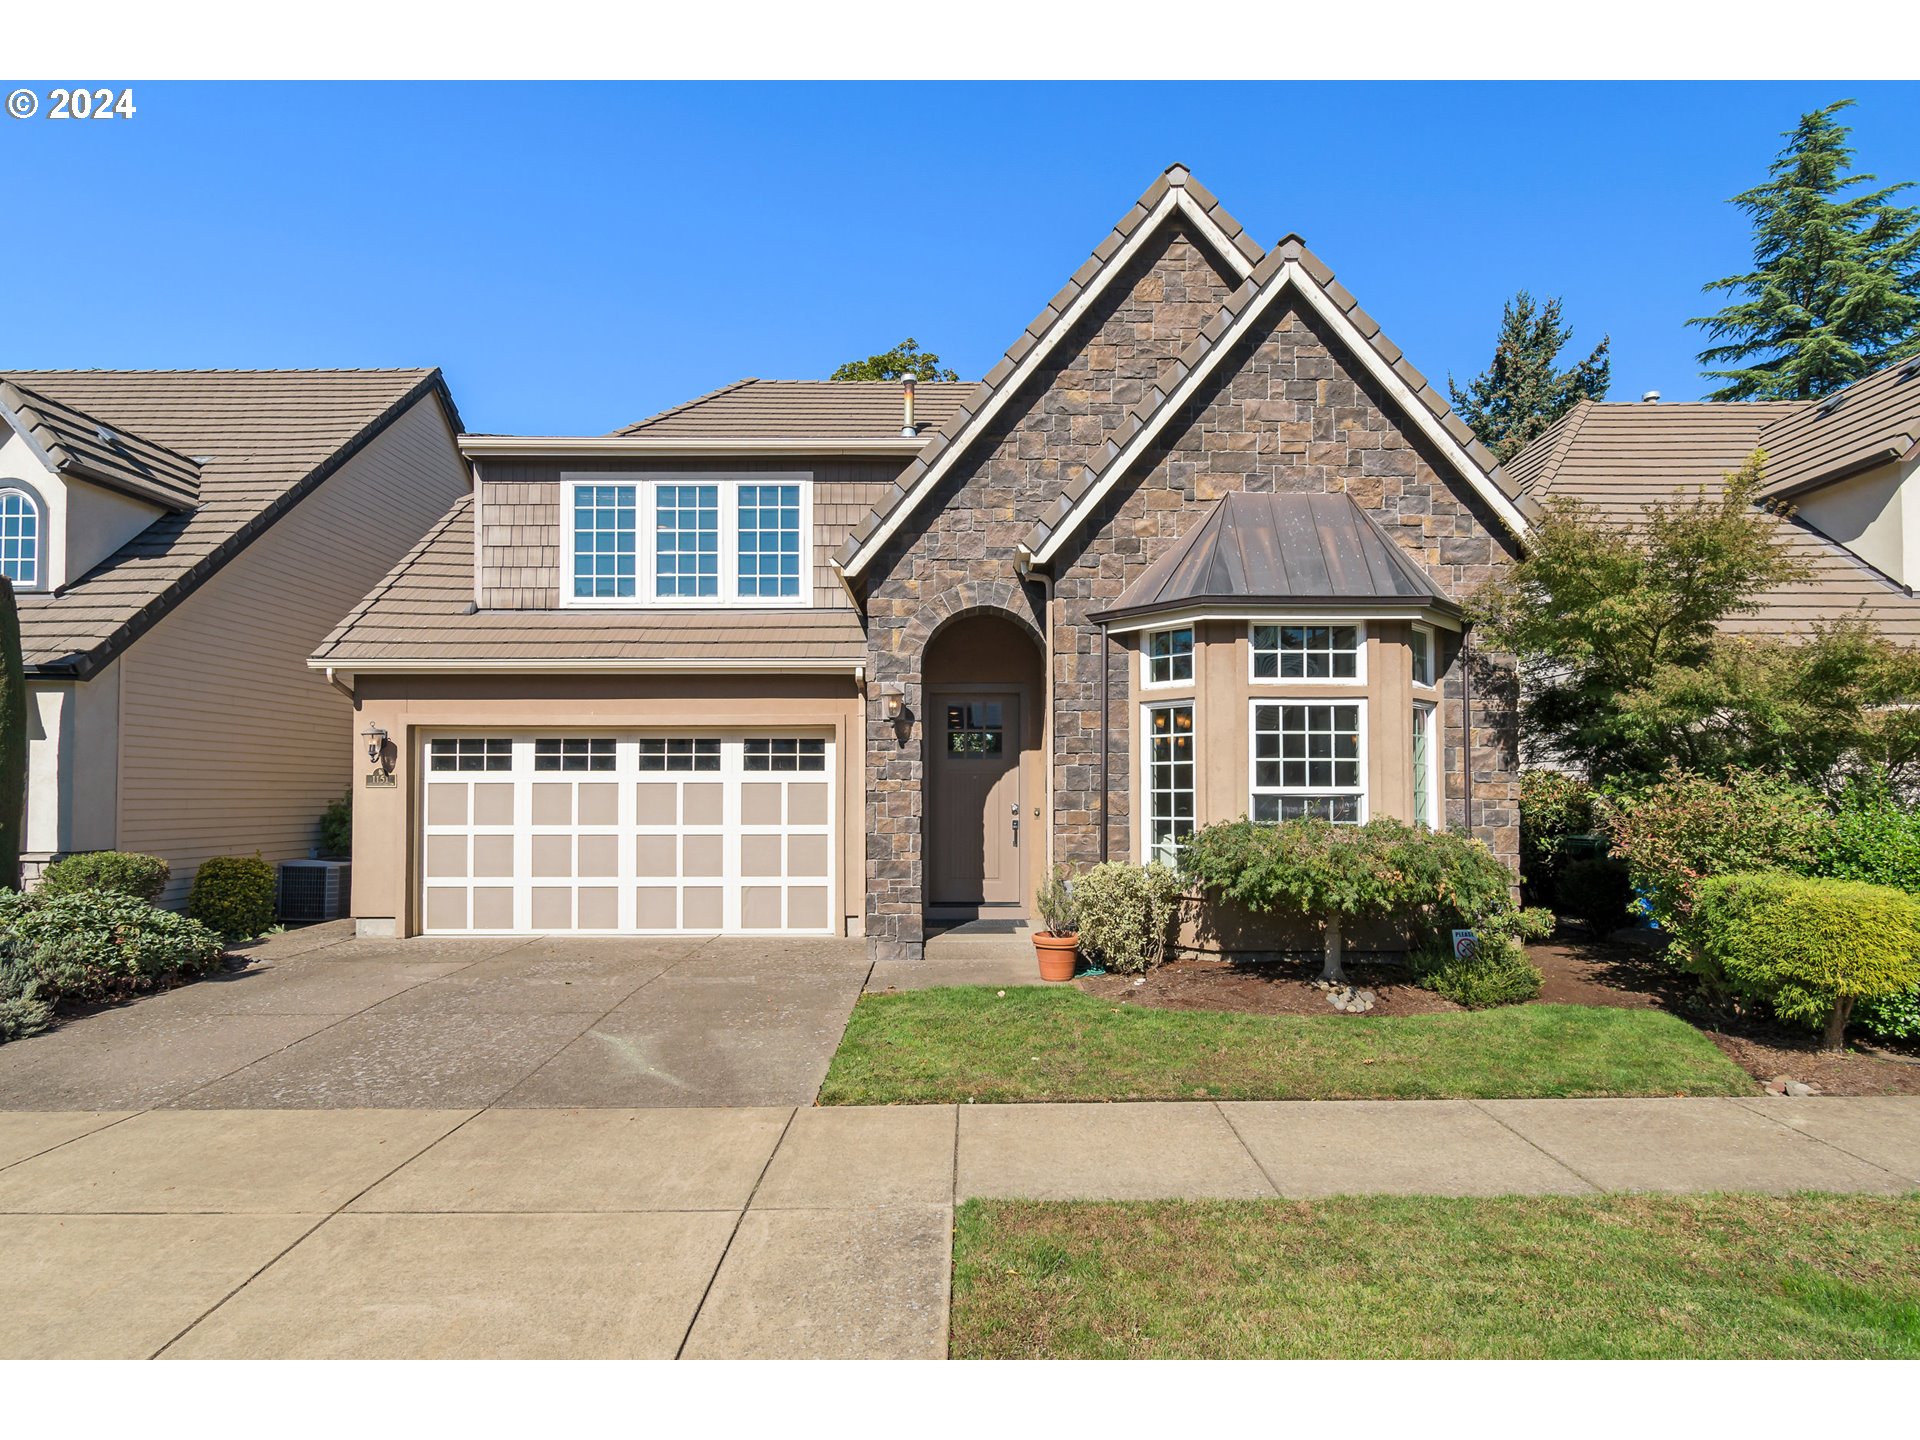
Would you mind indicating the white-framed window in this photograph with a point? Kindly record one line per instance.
(573, 753)
(700, 541)
(1295, 650)
(1169, 779)
(1169, 656)
(1426, 765)
(775, 753)
(20, 538)
(1309, 758)
(470, 752)
(1425, 654)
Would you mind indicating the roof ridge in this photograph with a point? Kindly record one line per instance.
(658, 415)
(1564, 431)
(1044, 330)
(242, 370)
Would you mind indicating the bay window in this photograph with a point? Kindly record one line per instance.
(1426, 772)
(1307, 652)
(1309, 760)
(1170, 656)
(1170, 780)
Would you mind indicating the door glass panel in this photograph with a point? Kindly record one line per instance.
(975, 729)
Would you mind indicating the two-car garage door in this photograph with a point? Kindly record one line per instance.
(639, 833)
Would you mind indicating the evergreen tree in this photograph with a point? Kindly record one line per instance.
(906, 358)
(1521, 393)
(1835, 289)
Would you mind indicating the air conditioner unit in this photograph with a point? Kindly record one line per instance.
(314, 890)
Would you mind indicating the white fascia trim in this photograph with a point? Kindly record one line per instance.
(1290, 278)
(1175, 199)
(616, 446)
(855, 668)
(1276, 615)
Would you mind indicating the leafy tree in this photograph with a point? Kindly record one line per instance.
(1523, 392)
(1834, 292)
(905, 360)
(13, 738)
(1614, 625)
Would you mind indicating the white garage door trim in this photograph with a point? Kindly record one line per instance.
(625, 832)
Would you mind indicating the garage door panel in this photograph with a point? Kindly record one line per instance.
(627, 833)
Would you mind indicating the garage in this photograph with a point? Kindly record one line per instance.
(612, 832)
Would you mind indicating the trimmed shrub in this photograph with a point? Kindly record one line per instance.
(1890, 1017)
(101, 944)
(336, 827)
(141, 876)
(1685, 828)
(1809, 948)
(1872, 838)
(1496, 974)
(1125, 914)
(1554, 808)
(1597, 893)
(233, 894)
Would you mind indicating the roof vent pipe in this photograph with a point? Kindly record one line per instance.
(907, 426)
(1652, 397)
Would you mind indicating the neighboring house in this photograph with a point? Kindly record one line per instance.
(785, 660)
(1846, 468)
(179, 542)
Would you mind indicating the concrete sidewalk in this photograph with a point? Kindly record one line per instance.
(750, 1232)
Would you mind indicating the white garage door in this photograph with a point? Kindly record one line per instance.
(627, 833)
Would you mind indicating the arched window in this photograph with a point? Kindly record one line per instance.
(19, 538)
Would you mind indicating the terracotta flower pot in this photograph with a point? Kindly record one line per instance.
(1056, 954)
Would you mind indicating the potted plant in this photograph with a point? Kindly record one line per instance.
(1057, 942)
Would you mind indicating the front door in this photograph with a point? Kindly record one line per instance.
(973, 821)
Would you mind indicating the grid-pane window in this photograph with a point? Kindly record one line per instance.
(19, 538)
(674, 753)
(769, 542)
(1423, 659)
(1424, 808)
(686, 542)
(1306, 652)
(776, 754)
(1170, 782)
(976, 729)
(573, 754)
(1170, 656)
(470, 753)
(1307, 762)
(605, 549)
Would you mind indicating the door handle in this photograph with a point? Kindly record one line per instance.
(1016, 832)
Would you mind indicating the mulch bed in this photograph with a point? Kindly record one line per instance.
(1577, 972)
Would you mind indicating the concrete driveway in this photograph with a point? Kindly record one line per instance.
(320, 1020)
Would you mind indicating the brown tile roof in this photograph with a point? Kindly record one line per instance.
(423, 613)
(1288, 258)
(262, 439)
(1620, 458)
(805, 410)
(74, 442)
(1042, 331)
(1283, 549)
(1874, 420)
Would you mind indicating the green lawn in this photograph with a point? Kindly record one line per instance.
(1712, 1276)
(969, 1043)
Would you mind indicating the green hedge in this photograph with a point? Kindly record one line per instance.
(1809, 948)
(1125, 914)
(234, 894)
(141, 876)
(92, 945)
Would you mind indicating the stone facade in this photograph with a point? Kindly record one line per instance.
(1287, 411)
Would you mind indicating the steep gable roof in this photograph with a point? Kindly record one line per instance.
(1873, 421)
(1175, 193)
(805, 410)
(265, 438)
(72, 442)
(1277, 549)
(1289, 268)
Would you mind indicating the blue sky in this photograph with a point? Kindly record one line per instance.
(576, 256)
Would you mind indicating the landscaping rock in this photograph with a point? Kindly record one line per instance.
(1799, 1089)
(1353, 1002)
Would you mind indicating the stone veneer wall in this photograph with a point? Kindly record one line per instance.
(1293, 414)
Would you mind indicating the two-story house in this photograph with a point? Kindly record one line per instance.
(807, 658)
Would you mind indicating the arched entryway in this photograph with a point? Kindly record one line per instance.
(983, 815)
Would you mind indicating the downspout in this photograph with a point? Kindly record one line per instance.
(1106, 745)
(1023, 564)
(1466, 723)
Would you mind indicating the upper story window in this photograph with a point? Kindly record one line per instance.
(1424, 655)
(1170, 656)
(1307, 652)
(689, 540)
(19, 538)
